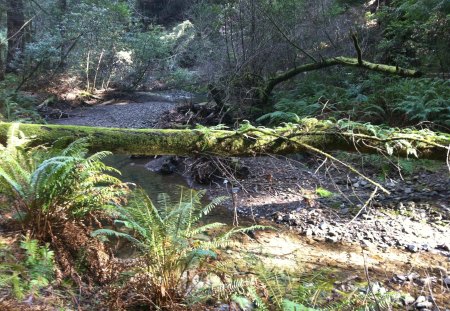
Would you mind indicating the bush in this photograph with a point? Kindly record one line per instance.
(26, 277)
(57, 195)
(377, 99)
(175, 248)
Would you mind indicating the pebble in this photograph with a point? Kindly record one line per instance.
(421, 299)
(424, 304)
(447, 281)
(323, 226)
(332, 239)
(408, 300)
(413, 248)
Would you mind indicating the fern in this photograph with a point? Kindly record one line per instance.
(171, 239)
(55, 186)
(30, 275)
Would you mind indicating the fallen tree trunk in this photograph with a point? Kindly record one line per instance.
(309, 135)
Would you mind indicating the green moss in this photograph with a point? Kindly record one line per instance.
(324, 193)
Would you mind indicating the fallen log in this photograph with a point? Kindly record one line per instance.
(308, 135)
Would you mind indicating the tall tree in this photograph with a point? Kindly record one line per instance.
(15, 32)
(2, 65)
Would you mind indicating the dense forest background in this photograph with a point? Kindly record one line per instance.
(232, 48)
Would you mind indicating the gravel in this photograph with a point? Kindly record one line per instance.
(124, 114)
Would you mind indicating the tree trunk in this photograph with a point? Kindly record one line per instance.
(62, 7)
(2, 64)
(271, 83)
(309, 135)
(15, 32)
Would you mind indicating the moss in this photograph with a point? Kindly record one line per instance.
(289, 139)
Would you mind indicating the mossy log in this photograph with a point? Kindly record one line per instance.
(308, 135)
(271, 83)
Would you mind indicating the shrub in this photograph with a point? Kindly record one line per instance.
(26, 277)
(57, 195)
(174, 247)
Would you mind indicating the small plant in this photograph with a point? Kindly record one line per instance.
(14, 106)
(175, 248)
(57, 195)
(324, 193)
(29, 275)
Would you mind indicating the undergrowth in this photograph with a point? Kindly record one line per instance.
(377, 99)
(25, 277)
(16, 106)
(176, 250)
(319, 290)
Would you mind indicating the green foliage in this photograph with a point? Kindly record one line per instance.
(15, 106)
(48, 187)
(324, 193)
(377, 99)
(28, 276)
(415, 32)
(175, 247)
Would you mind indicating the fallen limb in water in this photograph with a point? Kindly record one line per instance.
(248, 140)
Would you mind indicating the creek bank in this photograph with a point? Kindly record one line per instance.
(416, 217)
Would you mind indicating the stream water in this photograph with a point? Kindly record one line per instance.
(134, 171)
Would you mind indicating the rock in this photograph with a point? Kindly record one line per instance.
(345, 211)
(412, 276)
(428, 281)
(447, 281)
(332, 232)
(413, 248)
(164, 165)
(356, 185)
(332, 239)
(309, 232)
(423, 305)
(365, 244)
(400, 277)
(444, 247)
(408, 300)
(323, 226)
(421, 299)
(377, 289)
(407, 229)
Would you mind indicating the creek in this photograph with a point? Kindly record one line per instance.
(134, 170)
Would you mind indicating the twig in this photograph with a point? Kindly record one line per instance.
(20, 29)
(372, 196)
(448, 158)
(351, 168)
(369, 284)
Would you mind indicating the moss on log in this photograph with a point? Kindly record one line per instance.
(248, 140)
(335, 61)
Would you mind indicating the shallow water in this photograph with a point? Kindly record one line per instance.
(134, 171)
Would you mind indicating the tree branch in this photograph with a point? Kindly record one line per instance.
(335, 61)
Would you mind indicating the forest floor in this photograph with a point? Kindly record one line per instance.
(325, 221)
